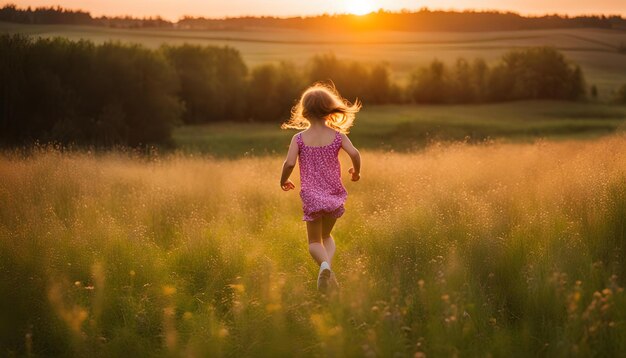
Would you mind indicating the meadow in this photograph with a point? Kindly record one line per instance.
(412, 127)
(496, 249)
(595, 50)
(477, 230)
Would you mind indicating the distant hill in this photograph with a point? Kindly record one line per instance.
(422, 20)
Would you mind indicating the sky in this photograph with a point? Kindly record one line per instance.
(174, 9)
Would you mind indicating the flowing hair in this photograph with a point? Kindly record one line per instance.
(322, 102)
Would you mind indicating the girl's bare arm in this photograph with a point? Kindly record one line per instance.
(354, 154)
(288, 165)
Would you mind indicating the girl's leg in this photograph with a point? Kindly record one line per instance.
(328, 223)
(316, 248)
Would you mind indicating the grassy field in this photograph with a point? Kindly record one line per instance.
(595, 50)
(476, 230)
(403, 128)
(505, 249)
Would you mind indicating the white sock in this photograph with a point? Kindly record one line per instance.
(324, 266)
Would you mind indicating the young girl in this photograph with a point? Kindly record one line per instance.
(325, 117)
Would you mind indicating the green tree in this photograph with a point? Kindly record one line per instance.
(480, 76)
(352, 79)
(462, 87)
(535, 73)
(431, 84)
(141, 83)
(212, 82)
(272, 91)
(77, 92)
(379, 86)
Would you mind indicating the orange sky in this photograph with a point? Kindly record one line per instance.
(173, 9)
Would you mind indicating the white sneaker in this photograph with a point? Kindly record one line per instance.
(323, 277)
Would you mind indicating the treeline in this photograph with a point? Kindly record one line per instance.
(533, 73)
(110, 94)
(422, 20)
(59, 15)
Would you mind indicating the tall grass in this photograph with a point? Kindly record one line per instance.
(501, 249)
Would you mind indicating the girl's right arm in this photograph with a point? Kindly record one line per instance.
(288, 165)
(354, 154)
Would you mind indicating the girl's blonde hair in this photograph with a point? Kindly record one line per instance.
(322, 101)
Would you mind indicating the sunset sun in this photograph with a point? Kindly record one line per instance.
(359, 7)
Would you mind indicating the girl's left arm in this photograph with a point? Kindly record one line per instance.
(288, 165)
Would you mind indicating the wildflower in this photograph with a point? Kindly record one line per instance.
(597, 294)
(169, 290)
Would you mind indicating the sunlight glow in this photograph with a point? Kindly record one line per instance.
(359, 7)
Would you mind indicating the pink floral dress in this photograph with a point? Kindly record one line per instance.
(322, 191)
